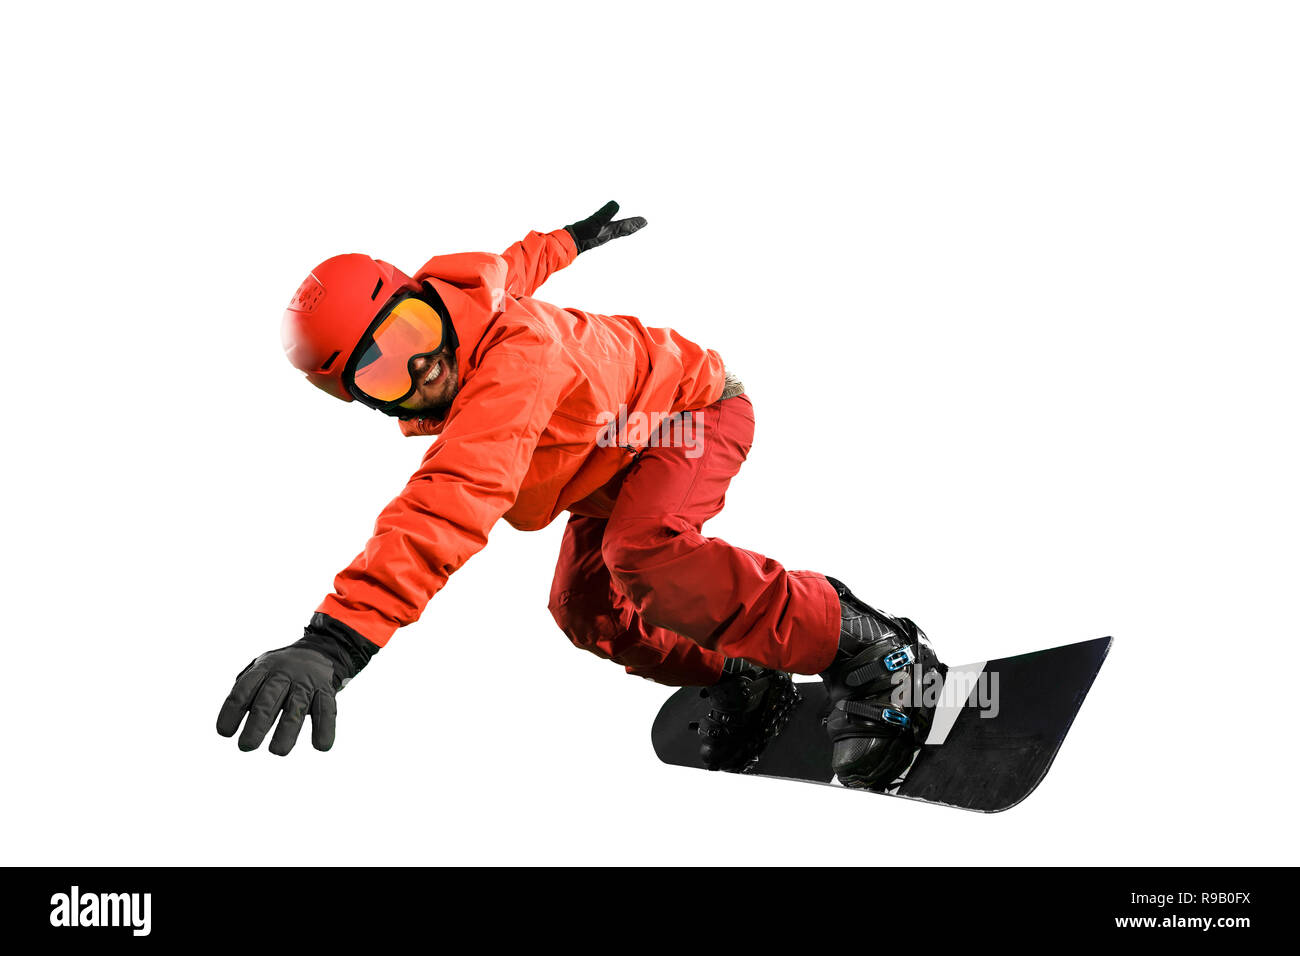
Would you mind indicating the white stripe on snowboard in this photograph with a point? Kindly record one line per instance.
(957, 689)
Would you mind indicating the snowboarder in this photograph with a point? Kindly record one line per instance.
(636, 432)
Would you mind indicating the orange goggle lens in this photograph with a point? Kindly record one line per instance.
(412, 327)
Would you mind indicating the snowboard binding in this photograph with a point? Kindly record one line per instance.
(750, 706)
(878, 715)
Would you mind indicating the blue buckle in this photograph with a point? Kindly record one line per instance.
(899, 659)
(891, 716)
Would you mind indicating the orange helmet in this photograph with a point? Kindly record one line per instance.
(332, 312)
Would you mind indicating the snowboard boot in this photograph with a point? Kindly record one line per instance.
(750, 705)
(877, 720)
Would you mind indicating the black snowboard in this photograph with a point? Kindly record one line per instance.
(986, 763)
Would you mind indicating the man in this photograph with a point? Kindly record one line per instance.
(636, 433)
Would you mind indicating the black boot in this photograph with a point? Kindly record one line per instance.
(876, 723)
(750, 705)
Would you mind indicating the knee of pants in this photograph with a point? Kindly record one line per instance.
(577, 626)
(682, 667)
(593, 628)
(558, 606)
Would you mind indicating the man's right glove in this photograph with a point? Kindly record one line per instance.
(597, 229)
(291, 683)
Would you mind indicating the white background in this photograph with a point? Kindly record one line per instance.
(1012, 286)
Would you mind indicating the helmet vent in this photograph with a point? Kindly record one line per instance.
(329, 361)
(378, 285)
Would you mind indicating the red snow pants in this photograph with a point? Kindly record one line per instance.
(643, 587)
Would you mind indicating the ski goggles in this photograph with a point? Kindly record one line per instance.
(379, 372)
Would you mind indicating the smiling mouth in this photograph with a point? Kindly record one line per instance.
(434, 373)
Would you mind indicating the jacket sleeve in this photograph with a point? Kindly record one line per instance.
(532, 259)
(468, 479)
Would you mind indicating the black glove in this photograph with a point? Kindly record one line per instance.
(596, 229)
(296, 680)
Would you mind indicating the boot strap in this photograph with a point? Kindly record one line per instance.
(885, 666)
(890, 716)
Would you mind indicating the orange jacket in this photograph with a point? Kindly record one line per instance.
(520, 440)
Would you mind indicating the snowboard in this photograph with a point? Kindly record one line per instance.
(997, 726)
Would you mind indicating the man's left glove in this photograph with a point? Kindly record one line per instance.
(597, 229)
(292, 682)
